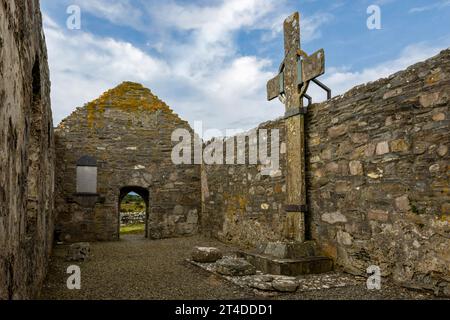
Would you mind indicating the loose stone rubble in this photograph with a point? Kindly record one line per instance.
(78, 252)
(267, 284)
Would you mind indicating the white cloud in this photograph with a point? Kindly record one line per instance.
(310, 26)
(202, 79)
(433, 6)
(118, 12)
(82, 66)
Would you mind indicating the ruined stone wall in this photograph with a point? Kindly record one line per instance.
(379, 176)
(128, 131)
(242, 204)
(26, 151)
(378, 181)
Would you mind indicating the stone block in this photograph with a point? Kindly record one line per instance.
(399, 145)
(276, 249)
(334, 217)
(378, 215)
(206, 254)
(192, 217)
(359, 138)
(78, 252)
(442, 150)
(439, 116)
(290, 250)
(235, 267)
(344, 238)
(285, 285)
(402, 203)
(428, 100)
(356, 168)
(382, 148)
(435, 168)
(337, 131)
(288, 267)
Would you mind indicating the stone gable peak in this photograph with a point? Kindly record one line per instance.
(130, 97)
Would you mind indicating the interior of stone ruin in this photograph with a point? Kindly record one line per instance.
(359, 207)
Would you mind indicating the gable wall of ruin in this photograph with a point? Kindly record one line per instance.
(128, 132)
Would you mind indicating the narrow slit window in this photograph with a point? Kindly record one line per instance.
(87, 175)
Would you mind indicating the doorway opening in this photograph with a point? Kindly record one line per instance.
(133, 211)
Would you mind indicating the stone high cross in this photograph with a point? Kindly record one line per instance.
(296, 71)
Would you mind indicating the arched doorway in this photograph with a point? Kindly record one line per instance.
(133, 207)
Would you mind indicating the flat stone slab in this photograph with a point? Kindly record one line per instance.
(284, 285)
(290, 250)
(235, 267)
(288, 267)
(206, 254)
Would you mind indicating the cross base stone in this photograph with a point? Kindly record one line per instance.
(290, 250)
(288, 258)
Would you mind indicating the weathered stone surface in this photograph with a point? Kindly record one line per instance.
(285, 285)
(399, 145)
(379, 215)
(382, 148)
(26, 151)
(428, 100)
(337, 131)
(403, 203)
(206, 254)
(344, 238)
(128, 131)
(247, 213)
(276, 249)
(290, 250)
(439, 117)
(288, 267)
(78, 252)
(435, 168)
(234, 267)
(334, 217)
(356, 168)
(442, 150)
(262, 282)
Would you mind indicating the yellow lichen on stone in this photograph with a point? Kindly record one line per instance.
(128, 97)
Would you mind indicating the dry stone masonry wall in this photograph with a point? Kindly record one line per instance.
(241, 204)
(378, 181)
(379, 176)
(26, 151)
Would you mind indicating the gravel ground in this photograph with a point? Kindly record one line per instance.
(136, 268)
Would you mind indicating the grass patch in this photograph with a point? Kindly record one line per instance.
(133, 229)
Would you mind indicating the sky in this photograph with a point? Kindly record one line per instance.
(210, 60)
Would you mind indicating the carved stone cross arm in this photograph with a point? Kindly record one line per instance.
(297, 68)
